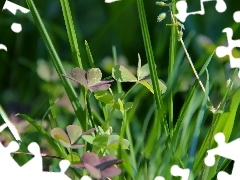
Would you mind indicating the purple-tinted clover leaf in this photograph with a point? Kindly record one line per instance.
(93, 81)
(100, 168)
(70, 137)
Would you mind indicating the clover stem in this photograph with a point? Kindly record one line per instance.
(125, 95)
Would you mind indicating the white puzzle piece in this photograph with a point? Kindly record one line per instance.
(227, 150)
(182, 8)
(222, 51)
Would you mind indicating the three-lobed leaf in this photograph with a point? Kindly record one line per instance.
(113, 100)
(70, 137)
(121, 74)
(109, 141)
(92, 82)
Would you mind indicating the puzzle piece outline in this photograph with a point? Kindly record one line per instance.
(12, 7)
(222, 51)
(15, 27)
(226, 150)
(176, 171)
(182, 6)
(33, 169)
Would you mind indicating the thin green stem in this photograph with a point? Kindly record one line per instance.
(126, 94)
(172, 58)
(86, 109)
(152, 67)
(131, 146)
(53, 117)
(221, 107)
(114, 51)
(189, 58)
(57, 64)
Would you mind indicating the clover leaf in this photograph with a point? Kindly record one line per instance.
(70, 137)
(100, 168)
(121, 74)
(106, 140)
(114, 100)
(93, 81)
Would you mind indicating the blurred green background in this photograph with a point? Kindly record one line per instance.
(28, 79)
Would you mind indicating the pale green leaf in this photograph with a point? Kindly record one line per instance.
(105, 97)
(74, 132)
(143, 72)
(94, 76)
(101, 141)
(88, 138)
(58, 134)
(73, 158)
(121, 74)
(148, 84)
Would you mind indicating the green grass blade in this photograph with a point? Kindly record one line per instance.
(179, 58)
(152, 67)
(44, 134)
(219, 126)
(172, 57)
(226, 96)
(206, 64)
(198, 126)
(89, 54)
(71, 32)
(177, 129)
(152, 137)
(53, 116)
(184, 109)
(58, 65)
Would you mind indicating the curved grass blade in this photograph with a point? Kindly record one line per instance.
(220, 125)
(172, 58)
(44, 134)
(198, 125)
(150, 58)
(71, 32)
(89, 54)
(177, 129)
(58, 65)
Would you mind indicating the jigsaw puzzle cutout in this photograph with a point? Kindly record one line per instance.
(227, 150)
(111, 1)
(222, 51)
(13, 9)
(86, 178)
(177, 172)
(8, 123)
(34, 166)
(236, 16)
(15, 27)
(182, 9)
(33, 169)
